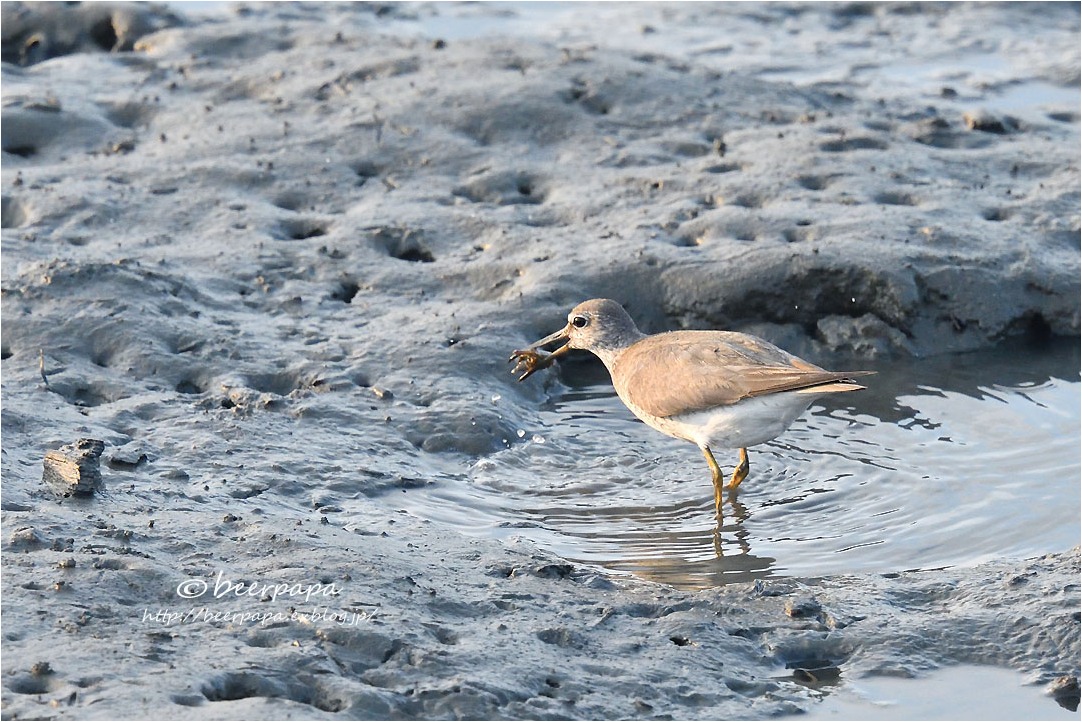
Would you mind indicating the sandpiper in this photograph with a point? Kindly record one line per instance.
(718, 389)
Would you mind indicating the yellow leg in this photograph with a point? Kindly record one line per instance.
(718, 479)
(741, 471)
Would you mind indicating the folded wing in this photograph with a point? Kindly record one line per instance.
(687, 371)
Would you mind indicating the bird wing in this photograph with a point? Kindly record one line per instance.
(687, 371)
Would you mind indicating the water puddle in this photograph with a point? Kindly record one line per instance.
(942, 462)
(963, 82)
(953, 693)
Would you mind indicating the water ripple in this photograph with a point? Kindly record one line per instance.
(964, 466)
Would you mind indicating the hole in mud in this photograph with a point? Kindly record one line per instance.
(188, 386)
(813, 182)
(503, 188)
(282, 383)
(996, 214)
(104, 34)
(87, 398)
(29, 685)
(1038, 331)
(299, 230)
(722, 168)
(688, 241)
(310, 233)
(1064, 117)
(23, 151)
(582, 95)
(794, 235)
(12, 213)
(187, 700)
(680, 641)
(415, 255)
(239, 685)
(365, 170)
(262, 640)
(289, 201)
(815, 676)
(841, 146)
(892, 198)
(403, 244)
(596, 105)
(747, 200)
(345, 292)
(129, 115)
(5, 354)
(30, 52)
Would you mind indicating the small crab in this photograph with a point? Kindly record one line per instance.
(530, 360)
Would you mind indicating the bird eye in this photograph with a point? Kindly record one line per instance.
(580, 322)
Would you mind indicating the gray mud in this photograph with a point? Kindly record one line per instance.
(276, 257)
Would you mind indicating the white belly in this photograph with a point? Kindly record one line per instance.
(747, 423)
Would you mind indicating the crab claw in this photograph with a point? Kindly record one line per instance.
(529, 361)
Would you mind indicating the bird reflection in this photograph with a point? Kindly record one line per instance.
(736, 526)
(711, 557)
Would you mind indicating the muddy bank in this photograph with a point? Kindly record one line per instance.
(275, 259)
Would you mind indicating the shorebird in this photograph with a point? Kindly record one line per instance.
(718, 389)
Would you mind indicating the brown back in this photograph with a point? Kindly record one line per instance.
(687, 371)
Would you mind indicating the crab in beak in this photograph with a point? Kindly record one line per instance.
(531, 360)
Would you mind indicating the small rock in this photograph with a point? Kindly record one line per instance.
(984, 121)
(25, 538)
(801, 608)
(773, 588)
(40, 669)
(63, 545)
(553, 571)
(74, 468)
(1066, 691)
(128, 456)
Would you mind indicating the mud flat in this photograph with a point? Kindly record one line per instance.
(274, 257)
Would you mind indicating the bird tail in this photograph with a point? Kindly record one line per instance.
(832, 388)
(843, 383)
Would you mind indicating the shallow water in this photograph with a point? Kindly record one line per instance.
(963, 692)
(943, 462)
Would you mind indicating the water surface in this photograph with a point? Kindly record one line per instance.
(953, 693)
(944, 462)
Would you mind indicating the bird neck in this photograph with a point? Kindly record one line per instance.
(610, 351)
